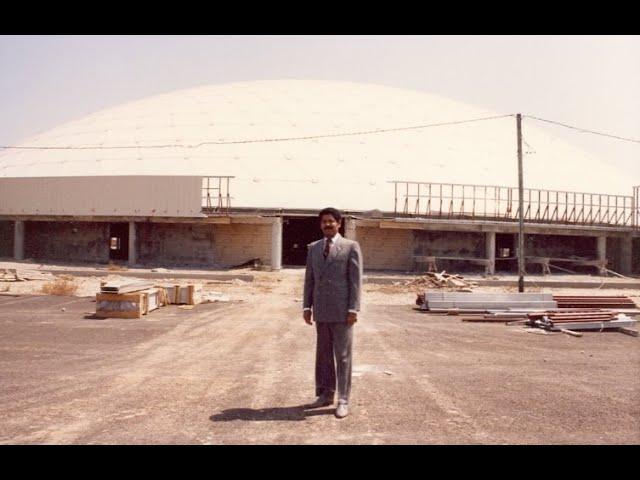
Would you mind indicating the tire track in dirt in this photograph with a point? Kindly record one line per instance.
(287, 385)
(396, 352)
(124, 381)
(257, 385)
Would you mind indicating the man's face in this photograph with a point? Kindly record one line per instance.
(329, 225)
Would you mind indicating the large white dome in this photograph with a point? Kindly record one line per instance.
(349, 172)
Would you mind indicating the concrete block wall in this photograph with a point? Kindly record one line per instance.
(237, 243)
(212, 245)
(175, 244)
(69, 241)
(614, 254)
(394, 249)
(386, 249)
(6, 238)
(451, 244)
(560, 246)
(456, 244)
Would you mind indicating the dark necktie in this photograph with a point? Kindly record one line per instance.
(327, 246)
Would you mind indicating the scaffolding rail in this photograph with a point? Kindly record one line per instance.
(492, 202)
(636, 206)
(215, 194)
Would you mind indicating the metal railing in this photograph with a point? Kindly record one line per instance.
(465, 201)
(215, 194)
(636, 206)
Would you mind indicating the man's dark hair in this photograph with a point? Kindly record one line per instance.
(330, 211)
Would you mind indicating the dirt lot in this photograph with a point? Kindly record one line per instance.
(242, 371)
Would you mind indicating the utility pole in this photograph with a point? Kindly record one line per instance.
(521, 208)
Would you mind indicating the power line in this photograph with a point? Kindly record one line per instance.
(263, 140)
(313, 137)
(583, 130)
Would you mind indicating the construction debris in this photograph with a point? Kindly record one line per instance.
(442, 280)
(593, 301)
(13, 275)
(539, 332)
(133, 299)
(254, 263)
(557, 313)
(211, 297)
(629, 331)
(571, 332)
(560, 322)
(443, 302)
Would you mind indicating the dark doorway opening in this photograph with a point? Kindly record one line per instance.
(506, 260)
(297, 233)
(118, 241)
(6, 238)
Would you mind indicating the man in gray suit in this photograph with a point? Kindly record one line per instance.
(332, 286)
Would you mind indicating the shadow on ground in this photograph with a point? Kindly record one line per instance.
(296, 413)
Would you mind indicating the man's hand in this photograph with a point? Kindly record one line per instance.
(307, 316)
(352, 318)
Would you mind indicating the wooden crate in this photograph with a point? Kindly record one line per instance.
(142, 303)
(190, 294)
(137, 298)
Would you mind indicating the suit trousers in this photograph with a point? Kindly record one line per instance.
(334, 341)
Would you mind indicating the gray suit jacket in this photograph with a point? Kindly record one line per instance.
(332, 287)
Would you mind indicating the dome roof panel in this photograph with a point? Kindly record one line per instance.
(344, 167)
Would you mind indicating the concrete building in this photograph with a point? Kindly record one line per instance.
(219, 175)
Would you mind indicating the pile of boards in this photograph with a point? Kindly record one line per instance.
(133, 299)
(445, 302)
(571, 321)
(15, 275)
(593, 301)
(441, 280)
(539, 310)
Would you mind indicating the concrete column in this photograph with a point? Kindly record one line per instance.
(602, 248)
(626, 257)
(602, 251)
(276, 243)
(490, 246)
(133, 257)
(18, 240)
(350, 228)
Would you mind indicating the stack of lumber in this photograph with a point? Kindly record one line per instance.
(593, 301)
(129, 305)
(574, 315)
(444, 302)
(566, 320)
(117, 287)
(497, 317)
(569, 322)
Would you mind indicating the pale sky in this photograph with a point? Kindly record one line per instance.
(592, 82)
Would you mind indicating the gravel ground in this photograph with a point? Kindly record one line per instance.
(241, 372)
